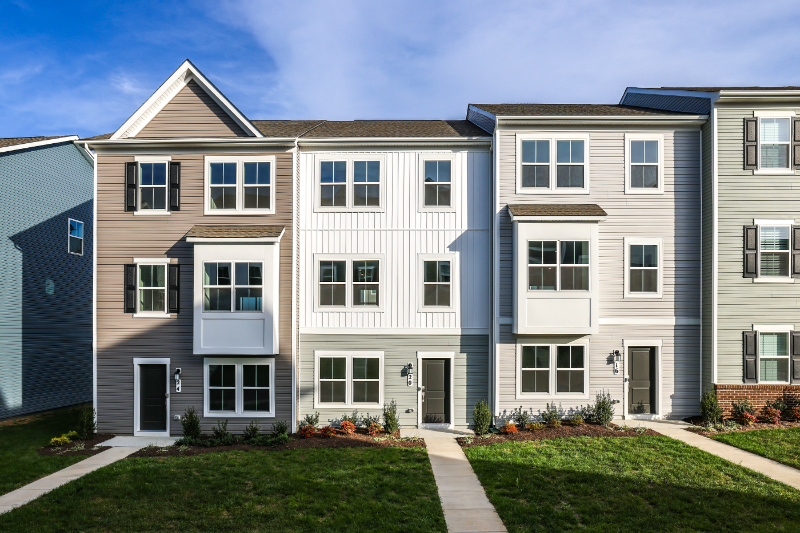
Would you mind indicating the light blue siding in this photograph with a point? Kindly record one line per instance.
(45, 292)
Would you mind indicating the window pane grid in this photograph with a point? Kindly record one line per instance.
(332, 283)
(255, 388)
(222, 388)
(75, 237)
(152, 288)
(333, 180)
(222, 185)
(366, 183)
(223, 293)
(437, 183)
(436, 283)
(569, 167)
(774, 357)
(569, 369)
(548, 269)
(153, 186)
(333, 379)
(535, 369)
(644, 164)
(536, 164)
(366, 380)
(365, 283)
(643, 268)
(774, 140)
(257, 185)
(774, 247)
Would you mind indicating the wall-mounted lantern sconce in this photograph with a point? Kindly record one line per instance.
(177, 380)
(410, 373)
(617, 359)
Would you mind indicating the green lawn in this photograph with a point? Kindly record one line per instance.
(344, 489)
(19, 462)
(782, 445)
(628, 484)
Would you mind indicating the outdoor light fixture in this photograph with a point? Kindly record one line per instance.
(617, 359)
(410, 373)
(177, 380)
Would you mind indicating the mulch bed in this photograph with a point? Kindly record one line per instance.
(360, 439)
(88, 447)
(547, 432)
(758, 425)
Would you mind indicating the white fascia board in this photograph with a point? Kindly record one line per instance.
(230, 141)
(613, 119)
(394, 141)
(220, 240)
(36, 144)
(164, 94)
(556, 219)
(670, 92)
(758, 94)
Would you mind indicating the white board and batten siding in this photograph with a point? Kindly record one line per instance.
(673, 217)
(399, 233)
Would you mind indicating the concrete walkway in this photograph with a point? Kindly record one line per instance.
(33, 490)
(465, 505)
(768, 467)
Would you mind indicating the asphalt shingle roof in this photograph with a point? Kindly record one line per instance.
(396, 128)
(718, 89)
(253, 231)
(284, 128)
(571, 110)
(14, 141)
(556, 210)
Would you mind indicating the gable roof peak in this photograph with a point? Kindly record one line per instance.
(179, 79)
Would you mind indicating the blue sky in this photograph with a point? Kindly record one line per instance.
(85, 67)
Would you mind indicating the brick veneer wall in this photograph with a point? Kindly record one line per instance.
(757, 394)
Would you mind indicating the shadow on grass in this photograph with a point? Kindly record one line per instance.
(636, 484)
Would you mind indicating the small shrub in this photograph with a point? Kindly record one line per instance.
(390, 421)
(353, 419)
(328, 431)
(550, 414)
(641, 430)
(310, 420)
(481, 418)
(281, 427)
(347, 427)
(792, 414)
(742, 407)
(772, 415)
(778, 404)
(509, 428)
(72, 435)
(220, 431)
(521, 417)
(729, 425)
(587, 412)
(191, 423)
(576, 420)
(252, 431)
(535, 426)
(375, 429)
(307, 431)
(555, 424)
(709, 408)
(59, 441)
(747, 419)
(86, 422)
(367, 420)
(270, 440)
(603, 410)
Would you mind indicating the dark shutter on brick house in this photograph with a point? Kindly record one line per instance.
(750, 256)
(796, 143)
(795, 359)
(750, 143)
(750, 349)
(130, 288)
(130, 186)
(175, 186)
(174, 289)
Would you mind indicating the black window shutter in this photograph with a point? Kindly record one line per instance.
(795, 357)
(130, 288)
(796, 251)
(174, 288)
(750, 143)
(750, 267)
(796, 143)
(750, 349)
(175, 186)
(130, 186)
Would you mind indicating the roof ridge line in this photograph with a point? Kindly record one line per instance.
(321, 122)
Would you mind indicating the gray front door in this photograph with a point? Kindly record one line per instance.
(152, 397)
(642, 374)
(435, 394)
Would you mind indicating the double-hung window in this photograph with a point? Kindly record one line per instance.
(244, 292)
(333, 283)
(538, 174)
(240, 185)
(75, 237)
(350, 183)
(774, 253)
(773, 357)
(152, 288)
(239, 387)
(366, 282)
(333, 183)
(153, 186)
(436, 283)
(366, 183)
(552, 369)
(558, 265)
(774, 141)
(348, 282)
(437, 183)
(643, 271)
(644, 168)
(344, 378)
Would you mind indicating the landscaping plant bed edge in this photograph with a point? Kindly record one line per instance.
(88, 447)
(548, 432)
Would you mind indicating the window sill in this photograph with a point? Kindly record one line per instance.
(227, 414)
(236, 212)
(436, 309)
(151, 213)
(646, 295)
(319, 209)
(436, 208)
(773, 280)
(547, 395)
(151, 315)
(644, 192)
(563, 190)
(318, 405)
(774, 172)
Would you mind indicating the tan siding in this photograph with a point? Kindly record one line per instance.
(191, 113)
(122, 236)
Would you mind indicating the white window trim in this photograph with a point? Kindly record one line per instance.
(233, 285)
(552, 372)
(240, 413)
(239, 160)
(658, 344)
(658, 241)
(348, 355)
(451, 356)
(554, 138)
(661, 177)
(349, 258)
(558, 266)
(455, 288)
(422, 208)
(83, 241)
(349, 182)
(136, 387)
(151, 159)
(773, 279)
(774, 328)
(154, 261)
(759, 114)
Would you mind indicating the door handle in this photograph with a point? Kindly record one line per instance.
(166, 395)
(423, 393)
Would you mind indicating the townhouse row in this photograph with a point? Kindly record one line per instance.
(530, 254)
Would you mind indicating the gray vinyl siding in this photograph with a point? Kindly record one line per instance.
(121, 337)
(743, 197)
(708, 254)
(191, 113)
(668, 102)
(673, 216)
(45, 336)
(471, 371)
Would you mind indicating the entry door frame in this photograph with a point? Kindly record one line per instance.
(137, 386)
(451, 356)
(643, 343)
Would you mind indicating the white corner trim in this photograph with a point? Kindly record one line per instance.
(36, 144)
